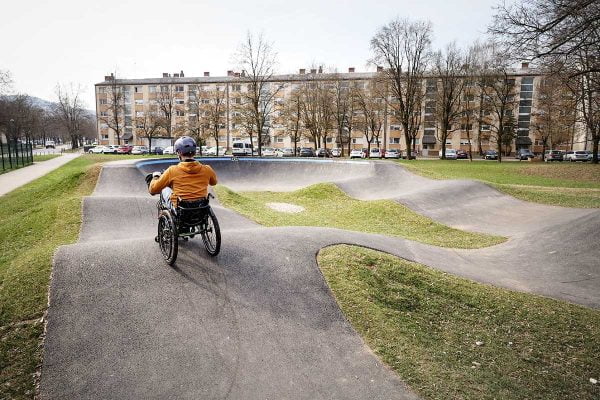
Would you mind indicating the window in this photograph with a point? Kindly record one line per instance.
(103, 114)
(179, 113)
(485, 127)
(103, 126)
(164, 88)
(179, 88)
(469, 97)
(394, 127)
(508, 113)
(526, 88)
(279, 139)
(152, 89)
(179, 101)
(527, 81)
(139, 114)
(357, 140)
(205, 101)
(464, 142)
(138, 89)
(236, 88)
(524, 110)
(103, 101)
(102, 89)
(139, 101)
(430, 107)
(526, 95)
(394, 140)
(466, 127)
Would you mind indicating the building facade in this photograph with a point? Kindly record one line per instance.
(182, 104)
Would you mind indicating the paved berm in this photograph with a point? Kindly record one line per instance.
(258, 321)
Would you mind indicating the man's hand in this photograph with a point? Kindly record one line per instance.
(156, 174)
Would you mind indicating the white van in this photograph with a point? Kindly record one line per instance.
(240, 148)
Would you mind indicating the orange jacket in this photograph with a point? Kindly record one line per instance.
(188, 179)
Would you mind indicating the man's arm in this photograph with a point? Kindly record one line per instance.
(212, 176)
(158, 184)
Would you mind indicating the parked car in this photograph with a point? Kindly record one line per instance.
(356, 153)
(139, 150)
(375, 153)
(111, 149)
(524, 154)
(96, 150)
(490, 155)
(579, 155)
(169, 150)
(324, 152)
(307, 152)
(591, 155)
(212, 151)
(125, 149)
(391, 153)
(413, 154)
(286, 152)
(461, 154)
(450, 154)
(50, 144)
(156, 150)
(553, 155)
(268, 152)
(336, 152)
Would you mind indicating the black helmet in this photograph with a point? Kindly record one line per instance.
(185, 145)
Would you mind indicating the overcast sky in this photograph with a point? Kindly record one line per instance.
(46, 42)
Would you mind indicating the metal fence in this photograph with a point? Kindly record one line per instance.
(15, 154)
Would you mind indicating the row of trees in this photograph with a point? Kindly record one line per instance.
(22, 119)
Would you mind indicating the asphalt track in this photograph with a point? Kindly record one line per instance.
(258, 321)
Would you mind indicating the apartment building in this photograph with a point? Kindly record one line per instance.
(184, 99)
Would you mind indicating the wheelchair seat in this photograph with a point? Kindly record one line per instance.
(191, 213)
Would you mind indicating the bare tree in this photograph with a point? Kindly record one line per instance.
(114, 117)
(402, 48)
(165, 100)
(341, 106)
(213, 112)
(257, 60)
(371, 105)
(291, 117)
(450, 83)
(498, 89)
(317, 110)
(5, 82)
(147, 123)
(537, 29)
(70, 112)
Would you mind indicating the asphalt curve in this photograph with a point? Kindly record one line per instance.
(258, 321)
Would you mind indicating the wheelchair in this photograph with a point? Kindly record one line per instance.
(190, 218)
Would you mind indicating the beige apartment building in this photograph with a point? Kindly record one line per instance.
(187, 93)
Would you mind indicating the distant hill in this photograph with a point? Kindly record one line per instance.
(47, 105)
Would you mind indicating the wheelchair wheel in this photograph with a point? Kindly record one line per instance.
(167, 237)
(211, 234)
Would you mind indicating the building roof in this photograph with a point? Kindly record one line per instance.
(275, 78)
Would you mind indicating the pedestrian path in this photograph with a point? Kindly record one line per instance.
(9, 181)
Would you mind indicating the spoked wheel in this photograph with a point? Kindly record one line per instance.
(167, 237)
(211, 234)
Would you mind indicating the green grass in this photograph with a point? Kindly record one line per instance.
(44, 157)
(36, 219)
(326, 205)
(426, 325)
(524, 180)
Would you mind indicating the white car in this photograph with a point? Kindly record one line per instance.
(212, 151)
(392, 153)
(269, 152)
(139, 150)
(356, 153)
(96, 150)
(375, 153)
(286, 152)
(169, 150)
(336, 152)
(111, 149)
(450, 154)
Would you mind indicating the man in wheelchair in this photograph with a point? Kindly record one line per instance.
(185, 183)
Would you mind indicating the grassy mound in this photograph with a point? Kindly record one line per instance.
(327, 206)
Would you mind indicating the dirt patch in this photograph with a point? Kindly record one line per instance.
(285, 207)
(579, 172)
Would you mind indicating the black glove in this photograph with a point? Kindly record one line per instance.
(148, 179)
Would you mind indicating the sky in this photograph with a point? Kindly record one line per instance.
(73, 42)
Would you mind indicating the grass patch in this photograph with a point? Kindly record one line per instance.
(426, 325)
(524, 180)
(44, 157)
(36, 219)
(327, 206)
